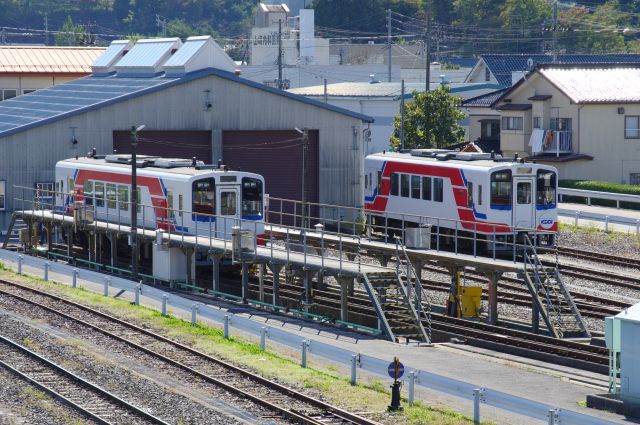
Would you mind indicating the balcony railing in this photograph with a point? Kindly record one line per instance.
(561, 142)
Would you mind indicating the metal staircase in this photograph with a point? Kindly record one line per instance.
(551, 297)
(395, 301)
(12, 237)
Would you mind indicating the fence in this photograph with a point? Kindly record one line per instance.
(352, 361)
(592, 194)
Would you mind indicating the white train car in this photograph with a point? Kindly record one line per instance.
(176, 195)
(480, 194)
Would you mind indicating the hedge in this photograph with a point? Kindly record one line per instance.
(601, 186)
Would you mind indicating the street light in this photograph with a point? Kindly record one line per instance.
(134, 202)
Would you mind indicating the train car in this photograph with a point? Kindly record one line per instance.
(176, 195)
(481, 194)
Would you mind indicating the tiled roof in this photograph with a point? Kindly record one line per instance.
(48, 60)
(502, 66)
(484, 100)
(89, 93)
(514, 107)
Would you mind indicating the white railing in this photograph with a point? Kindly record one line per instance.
(562, 142)
(593, 194)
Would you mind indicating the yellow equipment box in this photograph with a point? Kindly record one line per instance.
(470, 297)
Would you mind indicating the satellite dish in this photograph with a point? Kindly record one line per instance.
(529, 64)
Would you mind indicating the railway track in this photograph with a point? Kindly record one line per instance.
(87, 398)
(285, 402)
(599, 257)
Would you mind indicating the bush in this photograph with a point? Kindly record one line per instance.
(601, 186)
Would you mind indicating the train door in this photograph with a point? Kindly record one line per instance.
(523, 207)
(228, 211)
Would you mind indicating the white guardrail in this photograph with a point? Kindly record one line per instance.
(605, 218)
(592, 194)
(351, 360)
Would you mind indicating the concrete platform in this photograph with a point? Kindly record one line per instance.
(620, 220)
(563, 387)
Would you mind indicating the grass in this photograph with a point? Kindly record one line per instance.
(41, 400)
(591, 230)
(601, 186)
(372, 396)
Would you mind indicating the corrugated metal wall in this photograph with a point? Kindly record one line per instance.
(168, 144)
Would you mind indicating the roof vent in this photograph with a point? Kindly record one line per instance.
(429, 153)
(141, 160)
(198, 53)
(106, 61)
(145, 59)
(373, 79)
(176, 162)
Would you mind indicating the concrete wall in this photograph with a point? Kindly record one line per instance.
(30, 156)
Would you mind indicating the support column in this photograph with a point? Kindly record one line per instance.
(188, 252)
(351, 287)
(307, 280)
(535, 318)
(245, 282)
(384, 260)
(261, 271)
(113, 247)
(49, 238)
(320, 280)
(345, 283)
(417, 265)
(100, 238)
(70, 242)
(275, 271)
(215, 262)
(492, 310)
(452, 304)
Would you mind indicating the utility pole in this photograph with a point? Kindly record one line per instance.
(555, 28)
(305, 177)
(427, 46)
(402, 115)
(134, 202)
(389, 42)
(46, 30)
(3, 36)
(161, 23)
(326, 92)
(280, 54)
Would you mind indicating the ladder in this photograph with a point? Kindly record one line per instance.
(400, 307)
(551, 297)
(13, 232)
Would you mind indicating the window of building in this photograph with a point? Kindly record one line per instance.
(479, 194)
(438, 189)
(545, 188)
(3, 188)
(470, 195)
(487, 74)
(634, 178)
(501, 188)
(426, 188)
(512, 123)
(6, 94)
(632, 127)
(27, 91)
(394, 184)
(524, 193)
(415, 187)
(204, 196)
(404, 185)
(98, 191)
(560, 124)
(228, 203)
(88, 192)
(537, 122)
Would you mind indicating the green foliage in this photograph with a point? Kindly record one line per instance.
(73, 35)
(601, 186)
(431, 120)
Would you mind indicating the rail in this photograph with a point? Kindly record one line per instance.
(350, 360)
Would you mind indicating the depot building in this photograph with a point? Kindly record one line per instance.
(193, 103)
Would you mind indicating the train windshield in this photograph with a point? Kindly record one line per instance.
(501, 189)
(204, 196)
(546, 188)
(251, 197)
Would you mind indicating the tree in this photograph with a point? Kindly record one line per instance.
(73, 34)
(431, 120)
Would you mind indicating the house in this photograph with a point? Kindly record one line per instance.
(583, 118)
(24, 69)
(483, 121)
(193, 104)
(506, 69)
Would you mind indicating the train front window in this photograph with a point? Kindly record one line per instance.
(204, 196)
(546, 188)
(251, 197)
(501, 188)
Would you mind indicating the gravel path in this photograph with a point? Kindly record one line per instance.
(125, 372)
(607, 243)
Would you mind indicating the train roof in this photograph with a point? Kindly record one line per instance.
(176, 166)
(454, 158)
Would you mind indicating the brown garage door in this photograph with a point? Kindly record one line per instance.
(277, 156)
(168, 144)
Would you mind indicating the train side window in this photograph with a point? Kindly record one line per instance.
(170, 213)
(404, 185)
(501, 188)
(415, 187)
(180, 205)
(366, 181)
(72, 186)
(138, 199)
(123, 197)
(470, 195)
(438, 189)
(426, 188)
(88, 192)
(394, 184)
(546, 188)
(379, 182)
(479, 194)
(204, 196)
(251, 197)
(111, 195)
(98, 190)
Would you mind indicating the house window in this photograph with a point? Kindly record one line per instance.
(8, 94)
(487, 74)
(27, 91)
(632, 127)
(512, 123)
(537, 122)
(3, 187)
(634, 178)
(560, 124)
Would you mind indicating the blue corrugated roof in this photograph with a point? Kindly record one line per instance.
(502, 66)
(85, 94)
